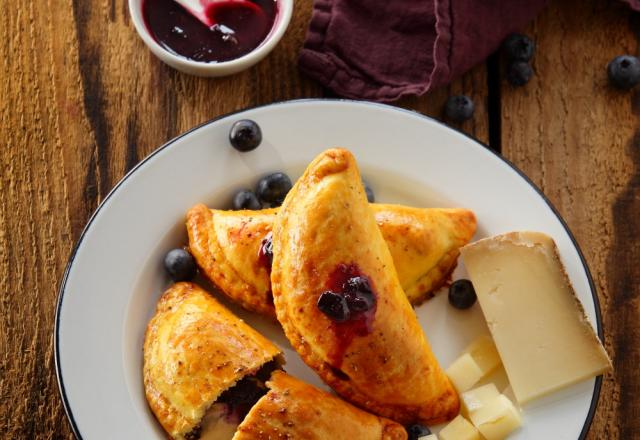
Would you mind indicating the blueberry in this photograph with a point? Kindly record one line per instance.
(180, 265)
(265, 253)
(245, 135)
(416, 431)
(360, 302)
(459, 108)
(519, 73)
(273, 188)
(358, 294)
(246, 199)
(462, 295)
(370, 195)
(334, 306)
(624, 71)
(357, 284)
(518, 47)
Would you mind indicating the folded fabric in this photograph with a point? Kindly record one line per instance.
(382, 50)
(635, 4)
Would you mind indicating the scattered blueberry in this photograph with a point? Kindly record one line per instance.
(180, 265)
(245, 135)
(518, 47)
(459, 108)
(370, 195)
(462, 295)
(334, 306)
(273, 188)
(246, 199)
(519, 73)
(624, 71)
(416, 431)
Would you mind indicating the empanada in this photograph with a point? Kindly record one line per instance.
(204, 368)
(424, 244)
(295, 410)
(341, 305)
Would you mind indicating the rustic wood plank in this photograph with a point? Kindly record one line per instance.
(83, 101)
(578, 140)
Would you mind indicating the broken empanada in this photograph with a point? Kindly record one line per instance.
(295, 410)
(204, 368)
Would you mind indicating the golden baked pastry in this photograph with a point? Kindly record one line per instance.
(424, 244)
(341, 305)
(295, 410)
(203, 366)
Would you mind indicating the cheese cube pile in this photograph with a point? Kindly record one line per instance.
(478, 398)
(492, 415)
(459, 429)
(497, 418)
(478, 360)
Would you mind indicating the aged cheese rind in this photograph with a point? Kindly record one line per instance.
(537, 322)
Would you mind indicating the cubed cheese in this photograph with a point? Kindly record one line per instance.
(478, 360)
(497, 418)
(459, 429)
(537, 322)
(464, 372)
(476, 398)
(484, 352)
(498, 377)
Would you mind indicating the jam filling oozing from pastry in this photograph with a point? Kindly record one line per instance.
(229, 410)
(350, 303)
(265, 253)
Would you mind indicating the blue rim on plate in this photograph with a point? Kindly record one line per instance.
(598, 383)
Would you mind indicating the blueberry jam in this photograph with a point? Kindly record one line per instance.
(240, 26)
(265, 254)
(350, 303)
(234, 404)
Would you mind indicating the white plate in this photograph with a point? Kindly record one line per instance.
(115, 274)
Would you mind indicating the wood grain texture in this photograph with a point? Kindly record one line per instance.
(579, 140)
(81, 102)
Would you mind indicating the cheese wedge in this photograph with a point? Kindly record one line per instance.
(459, 429)
(538, 325)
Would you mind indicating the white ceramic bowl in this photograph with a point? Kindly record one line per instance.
(285, 9)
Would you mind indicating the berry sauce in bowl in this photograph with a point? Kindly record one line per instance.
(239, 27)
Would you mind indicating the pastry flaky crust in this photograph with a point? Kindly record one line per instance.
(424, 244)
(295, 410)
(225, 244)
(390, 370)
(195, 349)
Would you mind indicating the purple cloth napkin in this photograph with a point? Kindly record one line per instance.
(382, 50)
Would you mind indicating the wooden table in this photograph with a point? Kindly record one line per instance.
(82, 101)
